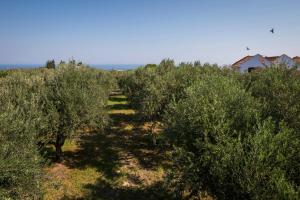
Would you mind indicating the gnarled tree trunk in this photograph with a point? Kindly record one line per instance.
(60, 140)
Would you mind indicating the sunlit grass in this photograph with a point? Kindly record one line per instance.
(117, 99)
(64, 182)
(98, 165)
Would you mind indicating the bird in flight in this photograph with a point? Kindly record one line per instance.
(272, 30)
(247, 48)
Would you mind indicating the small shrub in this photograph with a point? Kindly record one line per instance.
(3, 73)
(50, 64)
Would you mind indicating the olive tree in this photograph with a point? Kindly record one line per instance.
(278, 89)
(50, 64)
(197, 125)
(20, 163)
(223, 145)
(73, 99)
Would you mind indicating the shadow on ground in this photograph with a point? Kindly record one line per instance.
(118, 107)
(105, 191)
(108, 151)
(118, 98)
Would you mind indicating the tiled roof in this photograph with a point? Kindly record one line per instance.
(263, 60)
(241, 61)
(271, 58)
(297, 59)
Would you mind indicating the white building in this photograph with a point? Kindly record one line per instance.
(284, 60)
(250, 63)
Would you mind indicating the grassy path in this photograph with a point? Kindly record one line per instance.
(119, 163)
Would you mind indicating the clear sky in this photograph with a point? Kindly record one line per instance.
(146, 31)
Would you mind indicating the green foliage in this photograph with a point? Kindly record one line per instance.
(151, 88)
(225, 145)
(50, 64)
(234, 136)
(42, 106)
(134, 84)
(150, 66)
(74, 97)
(3, 73)
(20, 174)
(279, 91)
(215, 110)
(218, 104)
(268, 161)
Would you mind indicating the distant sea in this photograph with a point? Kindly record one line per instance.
(99, 66)
(19, 66)
(116, 66)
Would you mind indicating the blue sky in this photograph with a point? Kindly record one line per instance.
(146, 31)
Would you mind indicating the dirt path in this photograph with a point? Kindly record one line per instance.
(119, 163)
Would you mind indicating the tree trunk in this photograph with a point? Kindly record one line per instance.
(60, 140)
(152, 131)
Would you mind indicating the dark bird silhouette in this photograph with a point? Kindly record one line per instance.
(272, 30)
(247, 48)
